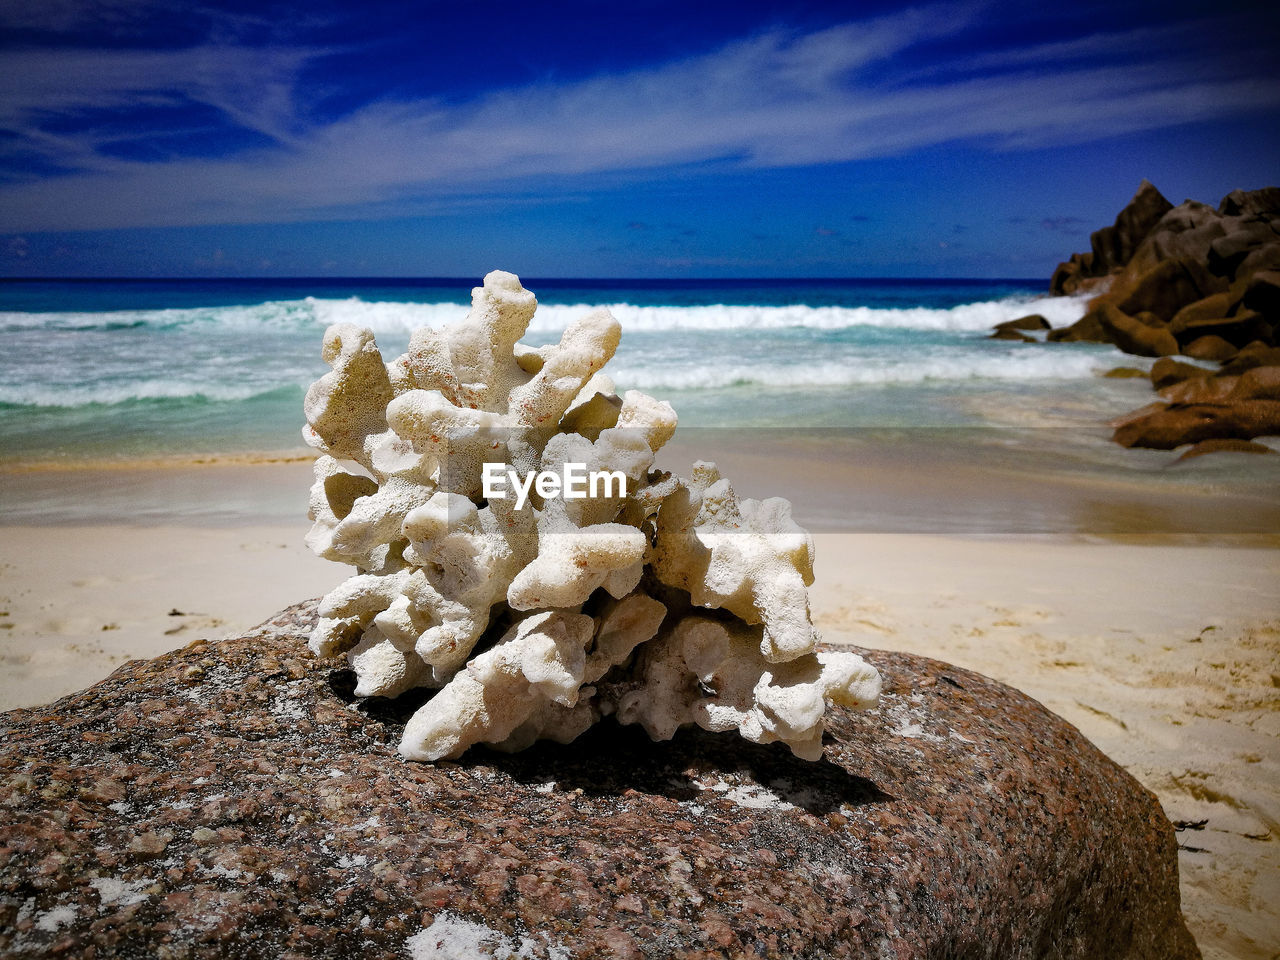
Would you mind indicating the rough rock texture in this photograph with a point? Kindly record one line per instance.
(234, 799)
(1113, 246)
(1190, 279)
(664, 602)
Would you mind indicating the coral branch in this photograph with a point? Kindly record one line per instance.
(664, 602)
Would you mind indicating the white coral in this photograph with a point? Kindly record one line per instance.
(538, 621)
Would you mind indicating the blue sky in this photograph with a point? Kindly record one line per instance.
(647, 138)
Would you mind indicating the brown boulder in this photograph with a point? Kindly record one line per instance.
(1228, 252)
(1263, 202)
(1132, 335)
(1209, 347)
(1252, 356)
(1223, 446)
(1207, 308)
(1184, 233)
(960, 819)
(1012, 329)
(1125, 373)
(1133, 416)
(1260, 383)
(1150, 319)
(1071, 276)
(1173, 426)
(1245, 327)
(1032, 321)
(1114, 246)
(1166, 371)
(1201, 390)
(1266, 257)
(1263, 295)
(1087, 328)
(1167, 287)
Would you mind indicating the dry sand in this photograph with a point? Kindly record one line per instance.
(1167, 656)
(1163, 650)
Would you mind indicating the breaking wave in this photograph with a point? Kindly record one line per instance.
(1027, 366)
(383, 317)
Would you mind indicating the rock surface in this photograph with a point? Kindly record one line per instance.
(233, 800)
(1190, 280)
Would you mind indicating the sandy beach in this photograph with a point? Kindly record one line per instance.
(1160, 647)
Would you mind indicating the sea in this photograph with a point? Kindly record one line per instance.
(96, 371)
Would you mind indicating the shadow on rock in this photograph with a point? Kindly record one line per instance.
(610, 760)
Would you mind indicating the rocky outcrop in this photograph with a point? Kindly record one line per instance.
(1193, 280)
(235, 799)
(1112, 247)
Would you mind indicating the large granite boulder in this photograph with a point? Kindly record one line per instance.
(233, 799)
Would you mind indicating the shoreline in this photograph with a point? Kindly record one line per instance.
(163, 462)
(836, 482)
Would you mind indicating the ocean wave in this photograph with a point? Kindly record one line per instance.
(276, 314)
(403, 318)
(963, 318)
(686, 371)
(387, 317)
(56, 396)
(1030, 367)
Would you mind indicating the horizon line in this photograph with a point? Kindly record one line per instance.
(441, 280)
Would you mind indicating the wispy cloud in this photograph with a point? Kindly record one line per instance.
(1068, 225)
(59, 15)
(774, 99)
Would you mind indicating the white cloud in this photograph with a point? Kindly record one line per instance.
(59, 15)
(774, 99)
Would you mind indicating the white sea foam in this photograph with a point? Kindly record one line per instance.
(970, 316)
(404, 317)
(635, 371)
(108, 394)
(1034, 366)
(386, 317)
(270, 350)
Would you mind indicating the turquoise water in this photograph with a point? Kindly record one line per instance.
(887, 392)
(97, 369)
